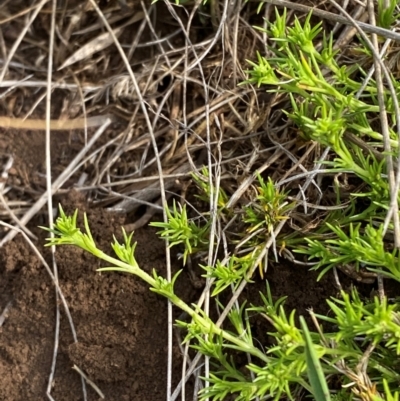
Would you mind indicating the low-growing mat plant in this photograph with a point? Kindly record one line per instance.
(357, 357)
(364, 348)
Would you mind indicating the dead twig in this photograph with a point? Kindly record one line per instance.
(90, 382)
(55, 125)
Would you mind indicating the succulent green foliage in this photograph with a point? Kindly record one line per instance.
(322, 92)
(357, 247)
(230, 273)
(378, 321)
(207, 189)
(179, 229)
(325, 109)
(66, 232)
(268, 209)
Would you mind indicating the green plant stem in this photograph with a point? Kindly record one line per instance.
(124, 267)
(208, 325)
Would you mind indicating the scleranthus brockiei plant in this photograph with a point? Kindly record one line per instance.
(358, 349)
(181, 230)
(325, 109)
(278, 369)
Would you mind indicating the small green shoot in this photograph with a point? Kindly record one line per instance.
(181, 230)
(387, 15)
(269, 208)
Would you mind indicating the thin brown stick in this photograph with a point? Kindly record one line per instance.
(90, 382)
(55, 125)
(20, 14)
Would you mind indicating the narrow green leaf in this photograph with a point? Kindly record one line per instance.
(315, 373)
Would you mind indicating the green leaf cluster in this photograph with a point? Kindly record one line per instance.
(326, 108)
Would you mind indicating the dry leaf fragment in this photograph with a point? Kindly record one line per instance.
(100, 42)
(95, 45)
